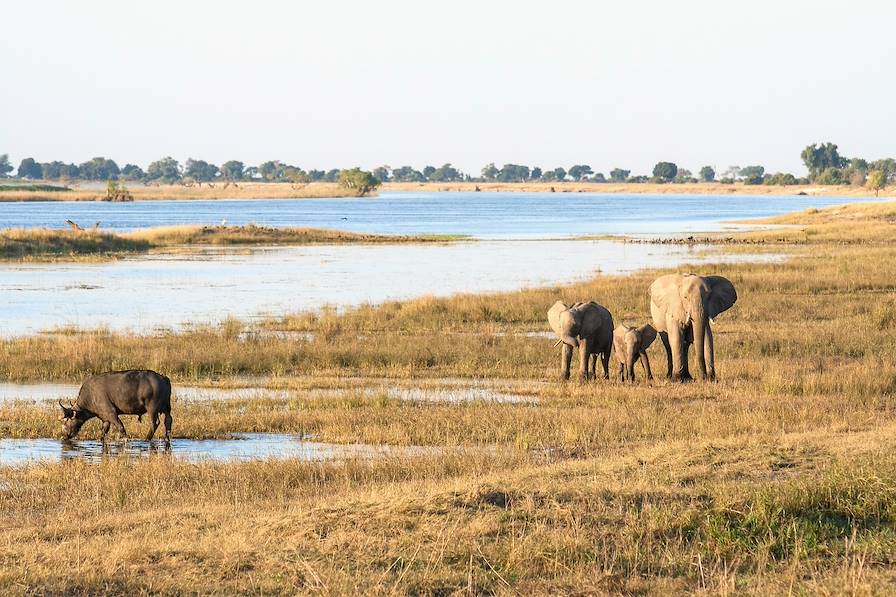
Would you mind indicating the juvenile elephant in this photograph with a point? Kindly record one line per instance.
(588, 327)
(682, 306)
(631, 345)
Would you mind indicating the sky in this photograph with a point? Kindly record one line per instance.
(339, 83)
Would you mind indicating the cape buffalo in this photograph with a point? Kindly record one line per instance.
(108, 395)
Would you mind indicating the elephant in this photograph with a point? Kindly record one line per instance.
(588, 327)
(682, 306)
(631, 345)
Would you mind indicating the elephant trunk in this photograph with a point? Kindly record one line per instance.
(698, 320)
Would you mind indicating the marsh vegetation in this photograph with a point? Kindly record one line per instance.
(780, 477)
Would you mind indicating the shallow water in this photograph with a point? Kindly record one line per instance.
(169, 290)
(41, 392)
(242, 447)
(482, 215)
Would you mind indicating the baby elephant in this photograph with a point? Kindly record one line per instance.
(631, 344)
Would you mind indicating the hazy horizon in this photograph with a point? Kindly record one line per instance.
(403, 83)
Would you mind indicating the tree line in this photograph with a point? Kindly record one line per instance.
(824, 164)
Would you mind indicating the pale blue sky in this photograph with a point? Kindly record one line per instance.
(338, 83)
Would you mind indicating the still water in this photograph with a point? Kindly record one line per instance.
(481, 215)
(170, 289)
(240, 447)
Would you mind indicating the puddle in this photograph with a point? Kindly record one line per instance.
(242, 447)
(55, 391)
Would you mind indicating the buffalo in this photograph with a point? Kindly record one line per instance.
(108, 395)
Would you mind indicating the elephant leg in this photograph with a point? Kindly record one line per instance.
(687, 338)
(621, 372)
(645, 362)
(565, 361)
(679, 354)
(605, 362)
(709, 355)
(586, 345)
(664, 337)
(592, 371)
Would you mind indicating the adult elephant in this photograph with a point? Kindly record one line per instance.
(588, 327)
(682, 306)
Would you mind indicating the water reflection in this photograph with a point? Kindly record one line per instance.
(162, 290)
(240, 447)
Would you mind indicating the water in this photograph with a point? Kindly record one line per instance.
(241, 447)
(170, 289)
(41, 392)
(481, 215)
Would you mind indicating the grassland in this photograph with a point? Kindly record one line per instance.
(140, 192)
(43, 243)
(780, 478)
(257, 190)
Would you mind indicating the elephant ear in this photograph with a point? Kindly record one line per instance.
(648, 335)
(554, 316)
(722, 295)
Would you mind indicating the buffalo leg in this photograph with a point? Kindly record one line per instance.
(153, 425)
(122, 432)
(168, 421)
(106, 426)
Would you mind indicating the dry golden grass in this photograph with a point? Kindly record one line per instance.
(140, 192)
(779, 478)
(44, 243)
(257, 190)
(698, 188)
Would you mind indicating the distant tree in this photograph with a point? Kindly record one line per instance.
(599, 177)
(830, 176)
(489, 172)
(382, 173)
(887, 166)
(294, 174)
(200, 170)
(271, 170)
(132, 172)
(559, 174)
(877, 180)
(427, 172)
(316, 175)
(684, 175)
(780, 178)
(52, 170)
(637, 179)
(99, 169)
(65, 171)
(444, 173)
(732, 172)
(707, 174)
(665, 171)
(548, 176)
(5, 166)
(513, 173)
(165, 170)
(752, 174)
(580, 171)
(28, 168)
(360, 181)
(233, 170)
(407, 174)
(251, 172)
(619, 175)
(535, 174)
(820, 157)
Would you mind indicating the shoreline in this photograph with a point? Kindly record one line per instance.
(321, 190)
